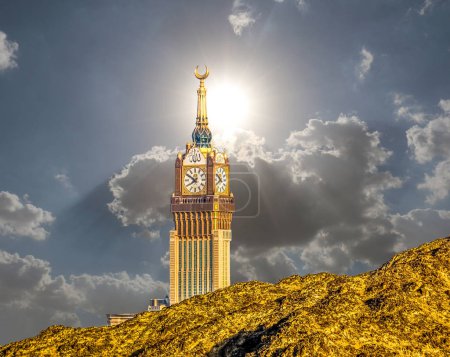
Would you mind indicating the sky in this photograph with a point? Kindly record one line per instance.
(335, 115)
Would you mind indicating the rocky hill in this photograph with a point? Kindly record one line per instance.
(402, 308)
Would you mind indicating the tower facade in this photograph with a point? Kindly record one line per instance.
(202, 207)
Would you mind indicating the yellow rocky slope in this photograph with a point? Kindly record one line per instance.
(400, 309)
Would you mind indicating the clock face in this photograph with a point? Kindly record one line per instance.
(221, 180)
(195, 179)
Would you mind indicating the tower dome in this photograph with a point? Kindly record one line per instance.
(201, 136)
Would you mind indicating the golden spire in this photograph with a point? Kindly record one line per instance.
(201, 134)
(202, 116)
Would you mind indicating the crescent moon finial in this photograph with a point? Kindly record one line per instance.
(201, 76)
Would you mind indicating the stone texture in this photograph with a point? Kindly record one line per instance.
(402, 309)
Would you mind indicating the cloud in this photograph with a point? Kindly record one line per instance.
(271, 265)
(335, 214)
(331, 173)
(366, 63)
(335, 218)
(165, 259)
(244, 145)
(8, 52)
(141, 191)
(407, 109)
(241, 17)
(420, 225)
(243, 14)
(301, 4)
(432, 142)
(116, 292)
(438, 184)
(64, 180)
(21, 218)
(426, 6)
(445, 105)
(32, 298)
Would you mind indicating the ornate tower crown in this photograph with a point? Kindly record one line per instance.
(201, 136)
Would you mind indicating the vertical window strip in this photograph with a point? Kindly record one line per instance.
(210, 264)
(195, 266)
(200, 266)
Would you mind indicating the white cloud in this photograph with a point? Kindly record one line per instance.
(165, 259)
(241, 16)
(32, 298)
(21, 218)
(438, 184)
(445, 105)
(245, 145)
(427, 4)
(64, 180)
(432, 142)
(407, 109)
(8, 52)
(301, 4)
(366, 63)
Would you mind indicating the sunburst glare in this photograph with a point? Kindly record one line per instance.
(228, 107)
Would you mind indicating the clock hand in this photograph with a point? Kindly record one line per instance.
(220, 179)
(192, 178)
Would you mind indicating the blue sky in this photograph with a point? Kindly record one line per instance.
(346, 139)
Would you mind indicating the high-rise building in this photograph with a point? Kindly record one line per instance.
(202, 207)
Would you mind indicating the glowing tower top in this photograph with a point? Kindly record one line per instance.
(201, 136)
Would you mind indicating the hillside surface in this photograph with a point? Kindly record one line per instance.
(402, 309)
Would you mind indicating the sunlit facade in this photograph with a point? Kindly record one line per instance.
(202, 207)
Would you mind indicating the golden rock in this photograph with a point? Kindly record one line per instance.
(401, 309)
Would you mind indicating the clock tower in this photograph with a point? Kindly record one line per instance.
(202, 207)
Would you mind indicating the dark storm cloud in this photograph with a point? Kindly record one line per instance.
(142, 189)
(315, 204)
(329, 172)
(32, 298)
(321, 194)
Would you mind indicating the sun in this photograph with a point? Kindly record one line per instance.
(228, 106)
